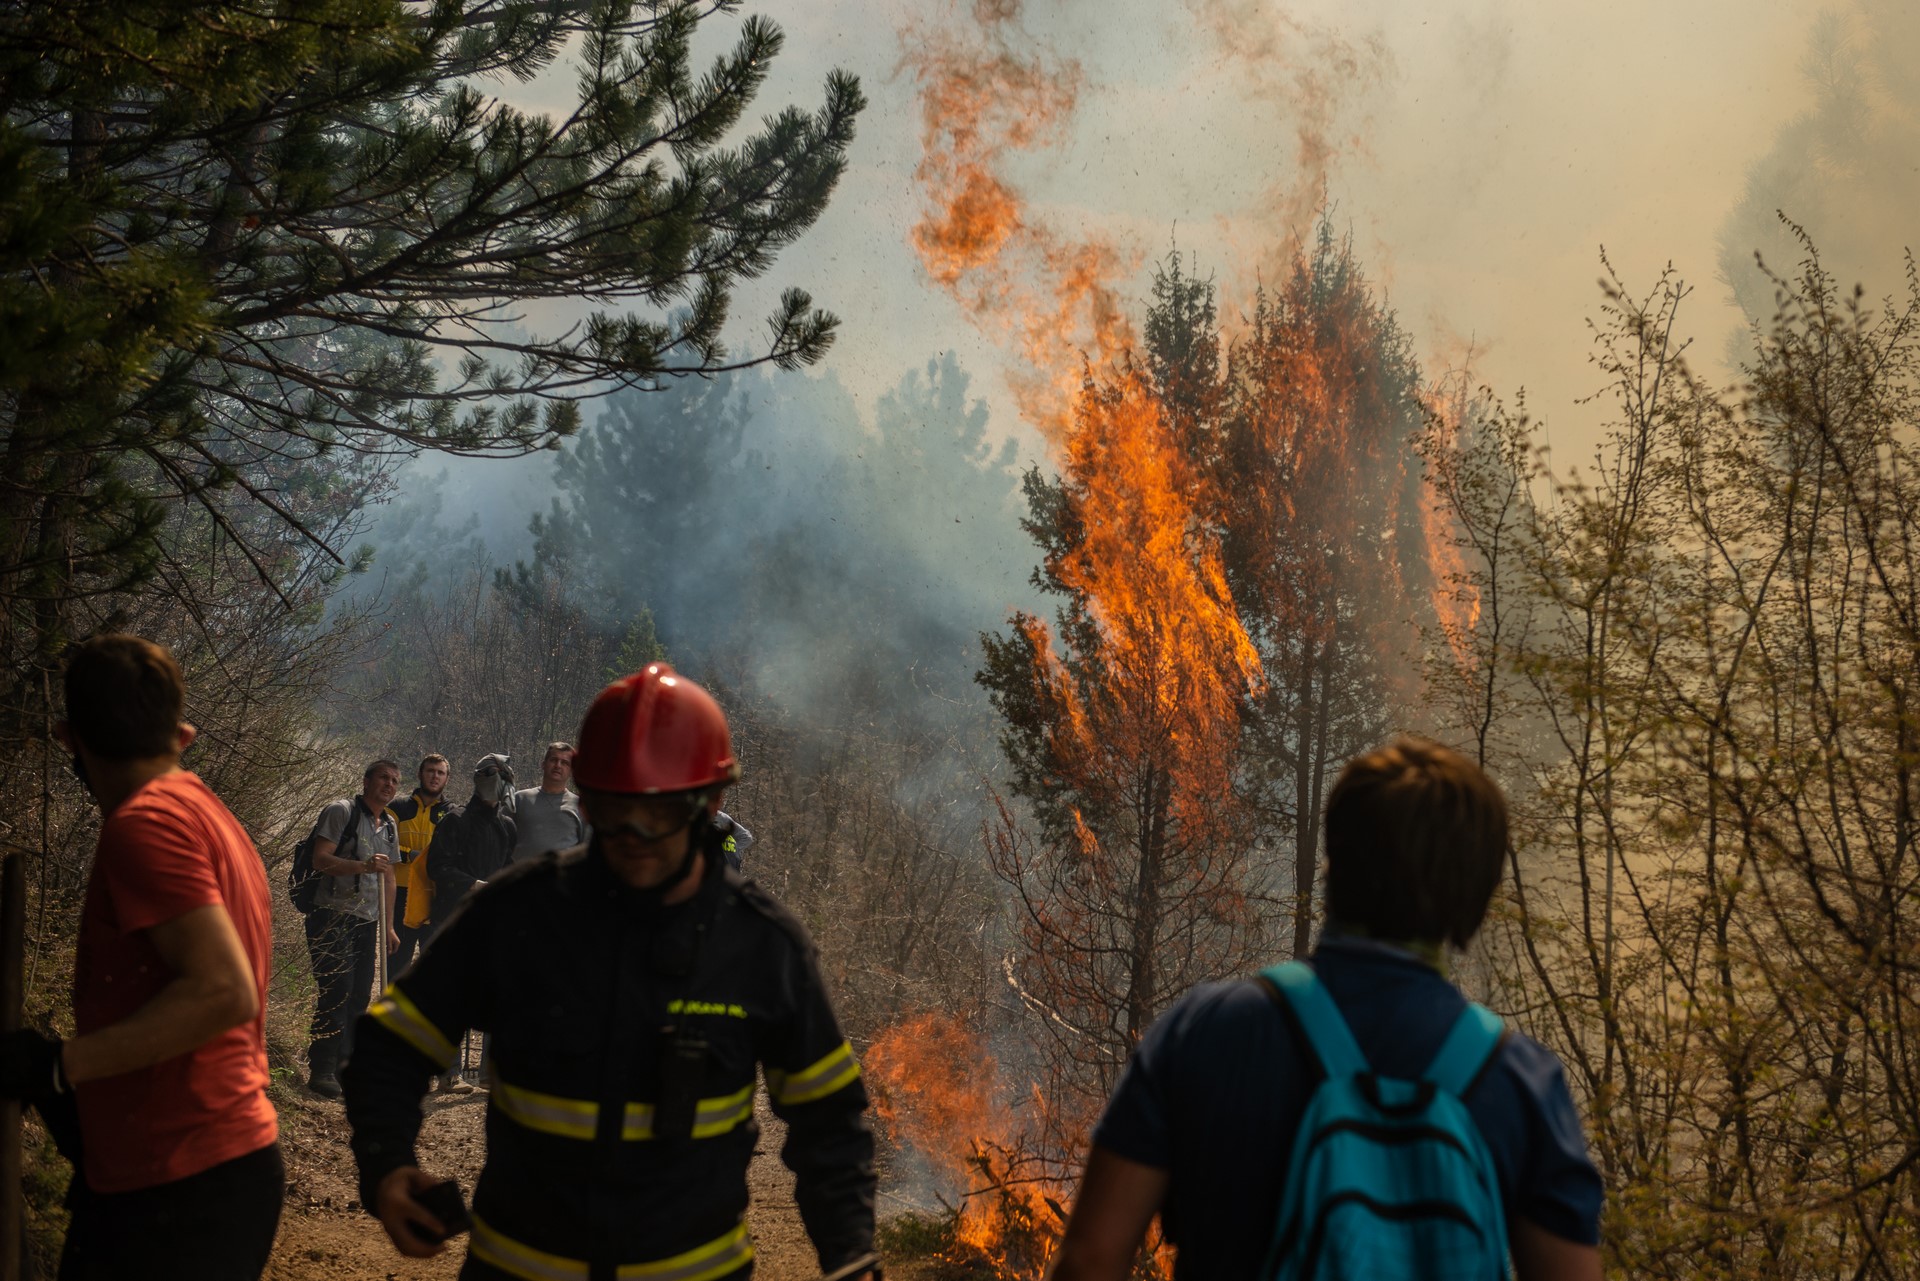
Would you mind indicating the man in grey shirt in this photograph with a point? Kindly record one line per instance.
(356, 869)
(548, 817)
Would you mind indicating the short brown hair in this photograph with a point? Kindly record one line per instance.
(382, 763)
(1416, 835)
(125, 697)
(557, 746)
(427, 760)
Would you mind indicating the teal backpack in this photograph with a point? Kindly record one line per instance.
(1389, 1180)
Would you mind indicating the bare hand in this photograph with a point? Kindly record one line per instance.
(400, 1214)
(393, 942)
(382, 864)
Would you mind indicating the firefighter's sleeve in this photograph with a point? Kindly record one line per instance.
(814, 1083)
(406, 1037)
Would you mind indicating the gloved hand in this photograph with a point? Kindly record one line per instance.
(30, 1066)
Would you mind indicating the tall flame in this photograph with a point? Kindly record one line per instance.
(1153, 578)
(1053, 296)
(1143, 557)
(1310, 77)
(1456, 596)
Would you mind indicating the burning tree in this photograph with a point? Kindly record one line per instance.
(1312, 455)
(1133, 881)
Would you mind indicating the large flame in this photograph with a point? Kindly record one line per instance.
(937, 1090)
(1144, 558)
(1306, 79)
(1151, 573)
(1050, 294)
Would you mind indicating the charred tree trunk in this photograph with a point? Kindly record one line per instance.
(1141, 1005)
(1310, 768)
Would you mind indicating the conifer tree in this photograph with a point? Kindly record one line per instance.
(1121, 733)
(251, 254)
(1314, 457)
(235, 242)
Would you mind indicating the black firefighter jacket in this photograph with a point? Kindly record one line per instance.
(579, 978)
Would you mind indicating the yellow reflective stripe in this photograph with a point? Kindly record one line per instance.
(549, 1113)
(702, 1263)
(710, 1116)
(580, 1118)
(404, 1019)
(717, 1116)
(524, 1261)
(816, 1081)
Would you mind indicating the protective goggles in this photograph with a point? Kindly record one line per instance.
(670, 813)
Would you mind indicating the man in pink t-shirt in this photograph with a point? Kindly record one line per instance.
(180, 1173)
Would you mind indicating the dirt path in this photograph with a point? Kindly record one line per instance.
(325, 1236)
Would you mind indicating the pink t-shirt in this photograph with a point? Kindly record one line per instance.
(169, 848)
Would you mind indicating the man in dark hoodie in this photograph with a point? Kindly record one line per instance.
(474, 842)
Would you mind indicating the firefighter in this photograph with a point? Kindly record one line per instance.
(631, 985)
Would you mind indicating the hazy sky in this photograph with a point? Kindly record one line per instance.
(1496, 147)
(1482, 153)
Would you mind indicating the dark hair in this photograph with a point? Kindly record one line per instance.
(125, 696)
(382, 763)
(556, 746)
(1416, 835)
(427, 760)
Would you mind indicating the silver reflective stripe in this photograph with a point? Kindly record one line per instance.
(522, 1260)
(568, 1118)
(834, 1071)
(404, 1019)
(711, 1116)
(717, 1116)
(702, 1263)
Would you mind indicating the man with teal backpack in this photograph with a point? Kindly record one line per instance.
(1353, 1115)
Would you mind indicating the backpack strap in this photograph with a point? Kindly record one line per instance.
(1470, 1046)
(1318, 1018)
(350, 834)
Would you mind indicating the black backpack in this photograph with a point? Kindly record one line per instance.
(303, 883)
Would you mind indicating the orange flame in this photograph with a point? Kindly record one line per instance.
(936, 1089)
(1153, 578)
(1310, 77)
(1456, 597)
(980, 101)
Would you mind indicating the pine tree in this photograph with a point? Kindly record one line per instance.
(233, 248)
(1314, 457)
(1121, 732)
(252, 255)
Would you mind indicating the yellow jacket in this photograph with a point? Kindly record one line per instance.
(417, 819)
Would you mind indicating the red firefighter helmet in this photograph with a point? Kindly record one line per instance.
(653, 732)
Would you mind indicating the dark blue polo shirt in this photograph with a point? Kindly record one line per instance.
(1215, 1091)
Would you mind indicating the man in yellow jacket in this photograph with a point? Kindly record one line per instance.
(417, 817)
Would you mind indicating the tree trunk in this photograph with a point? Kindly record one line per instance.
(13, 934)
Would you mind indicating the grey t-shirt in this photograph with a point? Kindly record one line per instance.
(546, 821)
(356, 895)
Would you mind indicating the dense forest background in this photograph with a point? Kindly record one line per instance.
(1036, 729)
